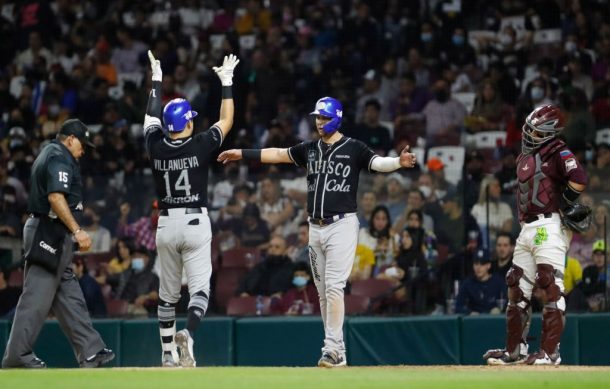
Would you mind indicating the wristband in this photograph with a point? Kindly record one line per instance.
(227, 92)
(570, 194)
(253, 154)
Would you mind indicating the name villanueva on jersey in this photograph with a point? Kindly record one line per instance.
(338, 170)
(179, 164)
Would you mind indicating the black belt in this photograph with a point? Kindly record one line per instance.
(187, 211)
(327, 220)
(534, 218)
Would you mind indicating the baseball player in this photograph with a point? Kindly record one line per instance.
(179, 161)
(333, 166)
(550, 180)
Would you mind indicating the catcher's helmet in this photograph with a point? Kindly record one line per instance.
(330, 108)
(543, 124)
(177, 114)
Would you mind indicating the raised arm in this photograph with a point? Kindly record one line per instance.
(227, 107)
(270, 155)
(389, 164)
(152, 119)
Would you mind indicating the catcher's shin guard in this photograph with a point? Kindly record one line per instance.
(553, 319)
(518, 312)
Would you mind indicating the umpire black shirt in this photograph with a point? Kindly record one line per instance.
(55, 170)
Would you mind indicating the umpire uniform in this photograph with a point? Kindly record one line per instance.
(56, 170)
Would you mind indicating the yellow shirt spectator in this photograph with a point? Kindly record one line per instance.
(572, 274)
(363, 263)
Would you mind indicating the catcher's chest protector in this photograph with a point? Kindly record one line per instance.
(538, 190)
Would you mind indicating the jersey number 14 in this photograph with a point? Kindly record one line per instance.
(182, 183)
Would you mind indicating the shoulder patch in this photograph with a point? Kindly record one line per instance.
(565, 154)
(570, 164)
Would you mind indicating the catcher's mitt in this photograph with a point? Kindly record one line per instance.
(577, 217)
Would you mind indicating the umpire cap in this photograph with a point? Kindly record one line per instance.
(78, 129)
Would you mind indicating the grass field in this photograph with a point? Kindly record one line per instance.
(446, 377)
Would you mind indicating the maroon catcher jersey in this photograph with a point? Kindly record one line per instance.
(543, 176)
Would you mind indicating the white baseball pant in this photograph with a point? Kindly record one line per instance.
(183, 244)
(332, 249)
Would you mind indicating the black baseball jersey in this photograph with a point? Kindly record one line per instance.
(55, 170)
(332, 174)
(180, 166)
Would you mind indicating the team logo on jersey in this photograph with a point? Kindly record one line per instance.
(570, 164)
(311, 155)
(525, 168)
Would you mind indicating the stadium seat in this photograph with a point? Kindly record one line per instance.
(246, 306)
(15, 280)
(244, 257)
(372, 287)
(466, 98)
(603, 136)
(453, 158)
(489, 139)
(116, 307)
(227, 282)
(356, 305)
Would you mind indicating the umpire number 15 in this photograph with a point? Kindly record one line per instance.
(182, 183)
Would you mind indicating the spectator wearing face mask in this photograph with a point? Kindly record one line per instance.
(302, 298)
(444, 116)
(142, 285)
(273, 275)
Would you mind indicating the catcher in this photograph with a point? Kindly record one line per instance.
(550, 181)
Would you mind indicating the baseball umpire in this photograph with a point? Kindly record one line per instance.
(184, 236)
(50, 285)
(333, 166)
(550, 180)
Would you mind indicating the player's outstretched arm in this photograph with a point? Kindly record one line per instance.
(270, 155)
(389, 164)
(154, 107)
(227, 107)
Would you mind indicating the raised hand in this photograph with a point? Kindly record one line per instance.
(229, 155)
(407, 159)
(155, 66)
(225, 72)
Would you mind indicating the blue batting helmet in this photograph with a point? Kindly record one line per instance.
(331, 108)
(177, 114)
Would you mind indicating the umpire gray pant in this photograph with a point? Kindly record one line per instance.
(44, 292)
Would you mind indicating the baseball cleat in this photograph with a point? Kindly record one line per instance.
(35, 363)
(170, 359)
(542, 358)
(331, 360)
(500, 357)
(102, 357)
(185, 344)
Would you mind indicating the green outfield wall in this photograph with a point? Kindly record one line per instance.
(296, 341)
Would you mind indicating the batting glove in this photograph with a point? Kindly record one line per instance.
(155, 66)
(225, 72)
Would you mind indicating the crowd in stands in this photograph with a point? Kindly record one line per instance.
(452, 79)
